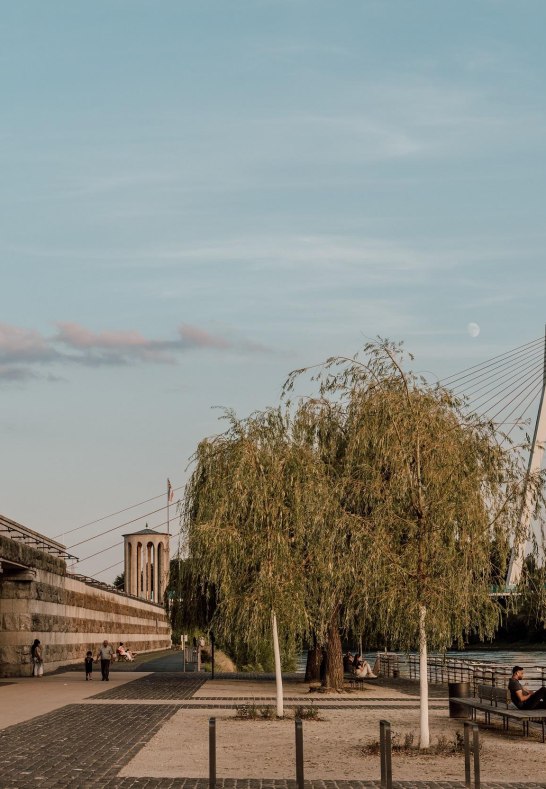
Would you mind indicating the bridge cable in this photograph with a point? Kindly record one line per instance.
(468, 371)
(105, 517)
(119, 526)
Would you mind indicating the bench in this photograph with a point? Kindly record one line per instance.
(354, 682)
(496, 701)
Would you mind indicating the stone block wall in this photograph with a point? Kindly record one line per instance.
(68, 615)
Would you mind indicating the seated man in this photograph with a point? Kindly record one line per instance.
(522, 698)
(347, 662)
(361, 668)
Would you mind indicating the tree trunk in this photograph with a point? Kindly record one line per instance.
(333, 677)
(278, 673)
(424, 738)
(314, 659)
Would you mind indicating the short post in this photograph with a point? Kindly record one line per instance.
(212, 753)
(299, 754)
(476, 747)
(212, 639)
(385, 753)
(473, 747)
(467, 754)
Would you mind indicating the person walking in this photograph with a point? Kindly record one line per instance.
(37, 659)
(89, 665)
(105, 655)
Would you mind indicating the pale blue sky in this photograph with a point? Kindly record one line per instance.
(197, 197)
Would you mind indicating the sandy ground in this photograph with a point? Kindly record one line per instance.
(332, 748)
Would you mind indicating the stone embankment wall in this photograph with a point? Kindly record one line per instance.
(68, 615)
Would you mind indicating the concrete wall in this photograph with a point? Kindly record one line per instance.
(68, 615)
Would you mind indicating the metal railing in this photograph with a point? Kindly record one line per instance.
(442, 670)
(390, 664)
(16, 531)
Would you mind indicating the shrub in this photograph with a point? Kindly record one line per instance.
(268, 712)
(442, 747)
(246, 711)
(306, 712)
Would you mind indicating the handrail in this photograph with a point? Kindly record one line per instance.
(443, 669)
(16, 531)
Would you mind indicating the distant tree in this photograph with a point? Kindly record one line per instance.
(529, 600)
(190, 598)
(119, 581)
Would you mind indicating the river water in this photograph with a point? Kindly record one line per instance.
(528, 659)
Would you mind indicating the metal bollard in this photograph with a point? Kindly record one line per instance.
(299, 754)
(385, 754)
(475, 749)
(212, 753)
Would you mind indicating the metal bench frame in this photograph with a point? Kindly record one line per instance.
(499, 703)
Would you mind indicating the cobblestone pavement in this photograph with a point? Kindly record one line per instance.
(78, 745)
(155, 686)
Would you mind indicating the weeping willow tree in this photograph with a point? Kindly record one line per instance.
(529, 601)
(190, 600)
(428, 493)
(255, 506)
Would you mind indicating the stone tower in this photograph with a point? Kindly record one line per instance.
(146, 564)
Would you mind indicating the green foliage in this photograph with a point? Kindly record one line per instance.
(429, 495)
(407, 746)
(251, 507)
(379, 498)
(190, 598)
(254, 712)
(119, 581)
(257, 656)
(306, 712)
(246, 711)
(529, 604)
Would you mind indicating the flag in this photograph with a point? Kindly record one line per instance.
(170, 491)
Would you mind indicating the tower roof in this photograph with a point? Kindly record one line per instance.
(147, 531)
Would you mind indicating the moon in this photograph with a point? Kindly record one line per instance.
(473, 329)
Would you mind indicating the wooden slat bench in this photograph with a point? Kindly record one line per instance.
(354, 682)
(496, 701)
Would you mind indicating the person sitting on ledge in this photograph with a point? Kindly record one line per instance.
(522, 698)
(347, 662)
(361, 668)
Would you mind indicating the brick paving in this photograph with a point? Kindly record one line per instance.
(155, 686)
(78, 745)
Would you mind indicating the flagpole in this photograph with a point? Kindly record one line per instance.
(170, 497)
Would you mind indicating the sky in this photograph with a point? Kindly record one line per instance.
(197, 197)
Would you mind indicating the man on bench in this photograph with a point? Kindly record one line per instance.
(522, 698)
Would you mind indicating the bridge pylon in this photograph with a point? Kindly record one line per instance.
(535, 464)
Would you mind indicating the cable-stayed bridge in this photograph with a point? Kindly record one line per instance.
(506, 390)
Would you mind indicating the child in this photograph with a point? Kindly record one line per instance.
(88, 665)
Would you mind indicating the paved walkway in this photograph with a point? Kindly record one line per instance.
(60, 731)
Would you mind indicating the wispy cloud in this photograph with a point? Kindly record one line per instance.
(25, 353)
